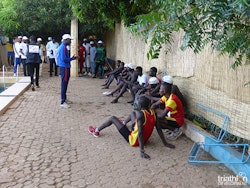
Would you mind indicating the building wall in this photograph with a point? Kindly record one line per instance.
(206, 78)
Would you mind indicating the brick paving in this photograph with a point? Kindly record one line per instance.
(43, 145)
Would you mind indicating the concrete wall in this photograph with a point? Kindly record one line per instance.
(205, 78)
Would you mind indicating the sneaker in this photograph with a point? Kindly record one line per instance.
(89, 74)
(14, 75)
(167, 131)
(175, 134)
(85, 74)
(93, 132)
(107, 93)
(65, 105)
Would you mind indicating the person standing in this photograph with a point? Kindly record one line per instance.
(87, 57)
(51, 48)
(11, 54)
(23, 52)
(92, 52)
(33, 60)
(39, 41)
(16, 48)
(100, 59)
(81, 54)
(64, 60)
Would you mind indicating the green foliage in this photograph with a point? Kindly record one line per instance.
(41, 18)
(222, 24)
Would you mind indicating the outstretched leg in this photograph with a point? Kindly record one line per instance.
(123, 90)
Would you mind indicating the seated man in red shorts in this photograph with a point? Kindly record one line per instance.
(143, 123)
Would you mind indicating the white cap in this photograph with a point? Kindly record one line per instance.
(85, 39)
(153, 80)
(25, 38)
(126, 65)
(130, 65)
(168, 79)
(39, 39)
(49, 38)
(91, 42)
(66, 36)
(99, 42)
(20, 37)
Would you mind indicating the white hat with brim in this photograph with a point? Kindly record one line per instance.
(20, 37)
(39, 39)
(168, 79)
(99, 42)
(153, 80)
(66, 36)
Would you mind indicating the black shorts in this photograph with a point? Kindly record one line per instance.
(171, 125)
(125, 132)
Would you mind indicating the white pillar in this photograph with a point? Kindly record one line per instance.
(74, 47)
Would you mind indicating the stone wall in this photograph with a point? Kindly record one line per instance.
(206, 78)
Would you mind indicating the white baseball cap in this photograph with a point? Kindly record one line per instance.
(20, 37)
(99, 42)
(25, 38)
(39, 39)
(49, 38)
(153, 80)
(66, 36)
(168, 79)
(91, 42)
(130, 65)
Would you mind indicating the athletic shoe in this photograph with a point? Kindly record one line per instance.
(167, 131)
(175, 134)
(89, 74)
(93, 132)
(65, 105)
(85, 74)
(107, 93)
(14, 75)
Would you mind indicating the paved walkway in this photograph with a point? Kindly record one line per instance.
(43, 145)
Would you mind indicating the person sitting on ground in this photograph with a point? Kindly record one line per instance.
(172, 117)
(114, 74)
(141, 88)
(143, 123)
(153, 89)
(142, 81)
(169, 79)
(126, 82)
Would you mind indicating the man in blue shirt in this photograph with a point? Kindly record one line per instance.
(64, 59)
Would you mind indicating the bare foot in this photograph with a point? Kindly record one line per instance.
(170, 145)
(114, 101)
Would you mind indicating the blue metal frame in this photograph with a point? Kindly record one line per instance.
(197, 150)
(225, 125)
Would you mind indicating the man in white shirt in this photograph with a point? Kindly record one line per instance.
(16, 48)
(51, 48)
(23, 52)
(87, 57)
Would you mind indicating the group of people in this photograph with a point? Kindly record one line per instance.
(91, 58)
(28, 52)
(157, 102)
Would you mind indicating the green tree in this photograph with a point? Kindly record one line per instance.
(41, 18)
(223, 24)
